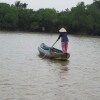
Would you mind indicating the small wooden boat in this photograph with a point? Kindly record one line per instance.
(51, 52)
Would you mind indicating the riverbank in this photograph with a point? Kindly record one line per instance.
(45, 33)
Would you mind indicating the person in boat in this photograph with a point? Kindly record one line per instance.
(64, 40)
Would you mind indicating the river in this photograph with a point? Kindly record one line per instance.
(25, 76)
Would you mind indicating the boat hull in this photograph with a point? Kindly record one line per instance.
(54, 53)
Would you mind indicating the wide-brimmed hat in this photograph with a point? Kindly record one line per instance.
(62, 30)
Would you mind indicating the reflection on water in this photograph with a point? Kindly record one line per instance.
(25, 76)
(63, 65)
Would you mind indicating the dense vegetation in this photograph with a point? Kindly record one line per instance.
(83, 19)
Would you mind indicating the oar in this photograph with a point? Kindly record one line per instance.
(51, 47)
(54, 43)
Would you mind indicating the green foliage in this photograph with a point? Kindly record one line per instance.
(82, 18)
(18, 4)
(47, 18)
(8, 17)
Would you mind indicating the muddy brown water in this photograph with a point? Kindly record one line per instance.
(25, 76)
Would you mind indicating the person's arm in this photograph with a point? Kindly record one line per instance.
(59, 37)
(67, 39)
